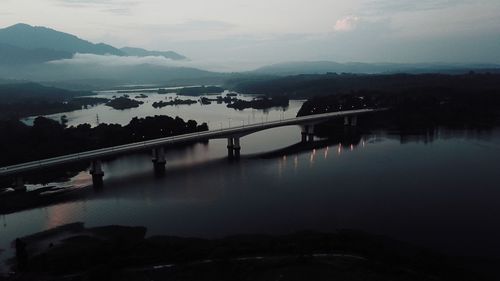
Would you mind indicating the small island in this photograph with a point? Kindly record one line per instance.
(122, 103)
(161, 104)
(260, 103)
(218, 99)
(141, 96)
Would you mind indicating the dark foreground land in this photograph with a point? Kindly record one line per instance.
(73, 252)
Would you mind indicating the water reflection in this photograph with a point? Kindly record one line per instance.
(217, 116)
(202, 194)
(60, 214)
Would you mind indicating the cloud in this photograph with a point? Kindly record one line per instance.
(106, 61)
(346, 24)
(111, 60)
(109, 6)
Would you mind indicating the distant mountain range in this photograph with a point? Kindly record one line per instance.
(26, 44)
(322, 67)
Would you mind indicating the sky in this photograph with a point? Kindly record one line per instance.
(242, 34)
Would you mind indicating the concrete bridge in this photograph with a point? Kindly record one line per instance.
(232, 135)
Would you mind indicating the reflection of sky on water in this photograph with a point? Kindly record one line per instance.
(216, 115)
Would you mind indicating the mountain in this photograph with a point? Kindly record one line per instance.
(12, 55)
(99, 76)
(37, 37)
(322, 67)
(144, 53)
(26, 44)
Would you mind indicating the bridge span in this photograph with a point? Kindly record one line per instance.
(157, 146)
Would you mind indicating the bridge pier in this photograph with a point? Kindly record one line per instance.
(354, 120)
(97, 173)
(310, 133)
(159, 160)
(230, 148)
(19, 184)
(303, 134)
(237, 147)
(351, 120)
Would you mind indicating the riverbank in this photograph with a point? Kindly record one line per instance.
(125, 253)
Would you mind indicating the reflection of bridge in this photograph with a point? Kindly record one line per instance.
(157, 145)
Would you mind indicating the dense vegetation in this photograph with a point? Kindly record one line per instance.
(417, 108)
(122, 103)
(47, 138)
(260, 103)
(161, 104)
(416, 101)
(307, 86)
(28, 99)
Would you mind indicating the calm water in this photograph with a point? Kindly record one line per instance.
(443, 194)
(216, 115)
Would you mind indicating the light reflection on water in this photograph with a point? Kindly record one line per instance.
(444, 195)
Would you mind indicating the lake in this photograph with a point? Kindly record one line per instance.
(440, 192)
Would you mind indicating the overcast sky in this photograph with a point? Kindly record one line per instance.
(248, 33)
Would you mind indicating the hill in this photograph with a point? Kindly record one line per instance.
(306, 86)
(19, 100)
(37, 37)
(12, 55)
(17, 92)
(25, 44)
(322, 67)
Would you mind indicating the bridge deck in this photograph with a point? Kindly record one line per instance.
(150, 144)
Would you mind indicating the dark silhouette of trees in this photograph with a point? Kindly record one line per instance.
(48, 138)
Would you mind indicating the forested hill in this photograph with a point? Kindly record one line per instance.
(305, 86)
(36, 37)
(27, 99)
(10, 93)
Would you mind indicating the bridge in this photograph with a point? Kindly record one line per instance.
(157, 146)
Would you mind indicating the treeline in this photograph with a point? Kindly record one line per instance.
(307, 86)
(410, 110)
(48, 138)
(202, 90)
(260, 103)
